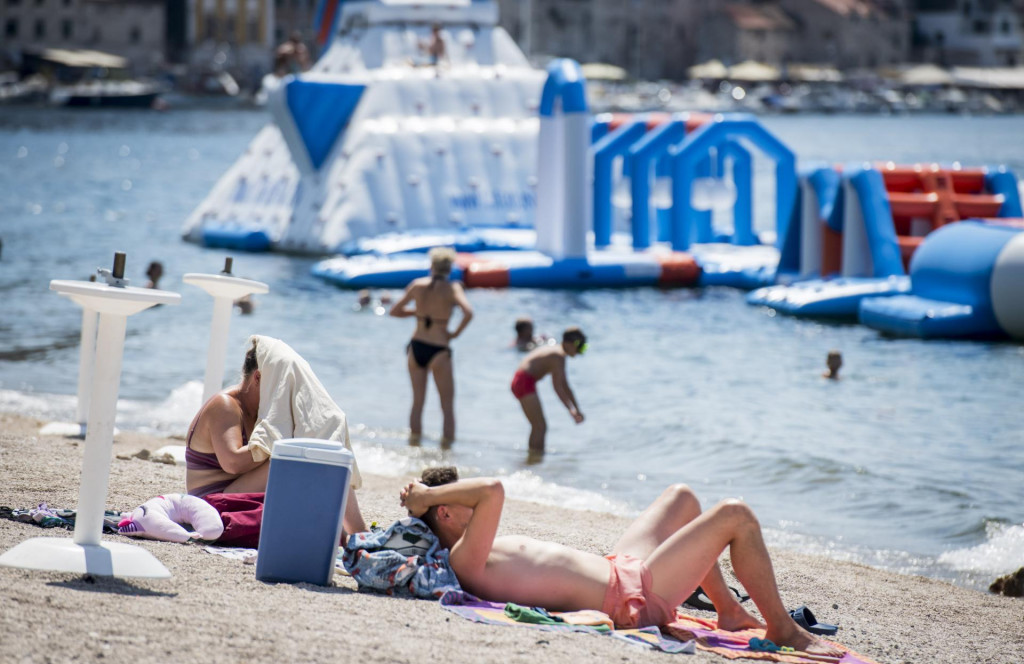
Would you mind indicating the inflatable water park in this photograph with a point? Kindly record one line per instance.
(379, 153)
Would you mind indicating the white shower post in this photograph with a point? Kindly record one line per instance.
(86, 553)
(225, 289)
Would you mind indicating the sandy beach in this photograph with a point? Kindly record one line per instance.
(213, 608)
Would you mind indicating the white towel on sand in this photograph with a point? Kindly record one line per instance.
(293, 403)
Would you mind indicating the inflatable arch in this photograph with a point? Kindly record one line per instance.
(613, 144)
(690, 225)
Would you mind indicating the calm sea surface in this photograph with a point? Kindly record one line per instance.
(914, 461)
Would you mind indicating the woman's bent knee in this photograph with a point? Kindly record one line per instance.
(737, 511)
(682, 497)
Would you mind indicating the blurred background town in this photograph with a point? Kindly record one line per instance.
(888, 56)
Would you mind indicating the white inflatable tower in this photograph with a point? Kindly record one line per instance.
(376, 138)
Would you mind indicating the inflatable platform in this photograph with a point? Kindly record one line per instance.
(968, 282)
(860, 226)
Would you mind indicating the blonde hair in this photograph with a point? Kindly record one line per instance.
(441, 259)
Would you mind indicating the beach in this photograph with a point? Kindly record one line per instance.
(213, 608)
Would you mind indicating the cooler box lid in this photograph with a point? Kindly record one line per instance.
(311, 449)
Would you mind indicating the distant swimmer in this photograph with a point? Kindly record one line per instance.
(833, 362)
(245, 305)
(155, 271)
(539, 363)
(524, 335)
(435, 298)
(365, 301)
(526, 340)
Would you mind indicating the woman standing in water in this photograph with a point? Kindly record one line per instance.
(435, 298)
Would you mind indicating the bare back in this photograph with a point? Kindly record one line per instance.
(538, 573)
(544, 360)
(435, 300)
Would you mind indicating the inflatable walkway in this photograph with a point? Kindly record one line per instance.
(860, 226)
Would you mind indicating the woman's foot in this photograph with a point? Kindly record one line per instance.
(796, 637)
(737, 618)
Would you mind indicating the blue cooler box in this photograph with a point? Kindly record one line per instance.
(302, 512)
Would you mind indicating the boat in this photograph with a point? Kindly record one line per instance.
(100, 93)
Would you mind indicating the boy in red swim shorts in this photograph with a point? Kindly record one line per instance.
(539, 363)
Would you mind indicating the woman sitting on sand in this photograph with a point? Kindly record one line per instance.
(217, 454)
(230, 440)
(428, 352)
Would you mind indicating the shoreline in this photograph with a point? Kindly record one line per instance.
(213, 607)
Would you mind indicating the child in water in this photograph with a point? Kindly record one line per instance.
(538, 363)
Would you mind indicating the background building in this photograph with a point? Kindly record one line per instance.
(221, 35)
(981, 33)
(661, 38)
(134, 29)
(200, 40)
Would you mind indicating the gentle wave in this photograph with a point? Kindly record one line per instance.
(1002, 551)
(385, 453)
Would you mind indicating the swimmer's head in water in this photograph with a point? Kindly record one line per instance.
(524, 327)
(834, 360)
(441, 259)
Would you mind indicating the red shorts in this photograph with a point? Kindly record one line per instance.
(523, 384)
(629, 600)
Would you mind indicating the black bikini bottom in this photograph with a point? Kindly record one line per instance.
(423, 353)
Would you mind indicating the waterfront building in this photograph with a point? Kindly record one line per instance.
(661, 38)
(236, 35)
(651, 39)
(134, 29)
(741, 32)
(978, 33)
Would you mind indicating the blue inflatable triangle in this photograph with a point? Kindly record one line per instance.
(320, 112)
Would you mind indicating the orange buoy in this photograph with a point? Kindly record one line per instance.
(678, 269)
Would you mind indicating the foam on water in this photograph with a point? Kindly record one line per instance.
(48, 407)
(1002, 551)
(170, 416)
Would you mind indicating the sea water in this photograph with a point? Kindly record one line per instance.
(914, 461)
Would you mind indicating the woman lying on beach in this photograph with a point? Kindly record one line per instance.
(227, 450)
(670, 549)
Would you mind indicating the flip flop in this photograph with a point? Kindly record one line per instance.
(699, 600)
(803, 617)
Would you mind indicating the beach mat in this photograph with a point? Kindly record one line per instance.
(493, 613)
(684, 635)
(736, 645)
